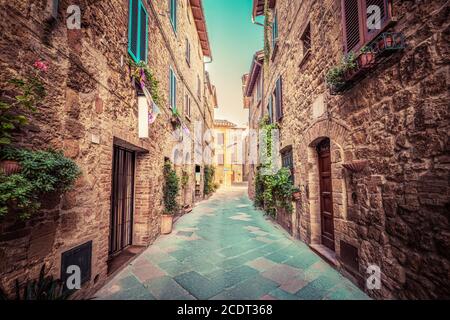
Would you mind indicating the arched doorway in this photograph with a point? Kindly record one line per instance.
(325, 193)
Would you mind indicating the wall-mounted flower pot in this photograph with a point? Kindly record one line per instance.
(366, 59)
(10, 167)
(296, 196)
(355, 165)
(166, 223)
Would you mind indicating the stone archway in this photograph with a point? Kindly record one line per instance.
(340, 151)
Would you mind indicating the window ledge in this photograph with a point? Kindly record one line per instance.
(305, 58)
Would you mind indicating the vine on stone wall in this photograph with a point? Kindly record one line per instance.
(266, 33)
(272, 191)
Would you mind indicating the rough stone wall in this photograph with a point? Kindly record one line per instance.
(396, 212)
(90, 102)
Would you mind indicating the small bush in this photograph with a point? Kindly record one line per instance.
(170, 189)
(42, 172)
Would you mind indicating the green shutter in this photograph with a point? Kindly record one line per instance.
(143, 33)
(133, 30)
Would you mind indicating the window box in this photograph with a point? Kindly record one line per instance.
(342, 78)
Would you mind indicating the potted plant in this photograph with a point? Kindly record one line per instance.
(335, 77)
(350, 66)
(296, 194)
(386, 41)
(170, 190)
(366, 58)
(175, 119)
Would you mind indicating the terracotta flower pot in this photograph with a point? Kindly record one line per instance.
(366, 59)
(296, 196)
(166, 223)
(385, 42)
(9, 167)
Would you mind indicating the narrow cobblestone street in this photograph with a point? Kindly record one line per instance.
(225, 249)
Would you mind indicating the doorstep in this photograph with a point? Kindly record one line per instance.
(326, 254)
(121, 260)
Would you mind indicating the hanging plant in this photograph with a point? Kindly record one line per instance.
(29, 93)
(142, 76)
(42, 172)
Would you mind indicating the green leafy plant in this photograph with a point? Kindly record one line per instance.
(29, 93)
(41, 172)
(335, 76)
(170, 189)
(266, 33)
(137, 69)
(208, 183)
(349, 62)
(43, 288)
(274, 190)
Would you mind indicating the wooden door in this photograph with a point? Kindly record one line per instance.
(122, 200)
(326, 194)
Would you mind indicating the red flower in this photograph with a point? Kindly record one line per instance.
(41, 65)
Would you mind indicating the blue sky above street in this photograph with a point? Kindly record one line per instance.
(234, 39)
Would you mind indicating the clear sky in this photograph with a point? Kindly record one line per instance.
(234, 39)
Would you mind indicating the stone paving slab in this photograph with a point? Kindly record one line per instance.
(225, 249)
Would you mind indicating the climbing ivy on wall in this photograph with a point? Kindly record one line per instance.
(266, 33)
(274, 190)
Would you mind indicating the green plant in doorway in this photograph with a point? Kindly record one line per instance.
(170, 189)
(209, 186)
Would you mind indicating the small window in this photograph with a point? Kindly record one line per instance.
(187, 106)
(173, 14)
(188, 52)
(275, 30)
(306, 40)
(138, 31)
(270, 109)
(220, 139)
(288, 162)
(361, 21)
(278, 95)
(172, 90)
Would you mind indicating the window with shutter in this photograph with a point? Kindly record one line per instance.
(275, 30)
(358, 18)
(143, 34)
(270, 109)
(188, 52)
(173, 89)
(353, 34)
(138, 31)
(278, 99)
(133, 30)
(173, 14)
(287, 162)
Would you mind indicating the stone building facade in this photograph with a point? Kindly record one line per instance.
(375, 155)
(91, 113)
(229, 153)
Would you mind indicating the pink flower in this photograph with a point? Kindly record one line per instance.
(41, 65)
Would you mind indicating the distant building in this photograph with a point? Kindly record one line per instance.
(229, 152)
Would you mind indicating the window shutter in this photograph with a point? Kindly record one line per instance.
(143, 34)
(133, 30)
(353, 35)
(270, 109)
(173, 13)
(279, 99)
